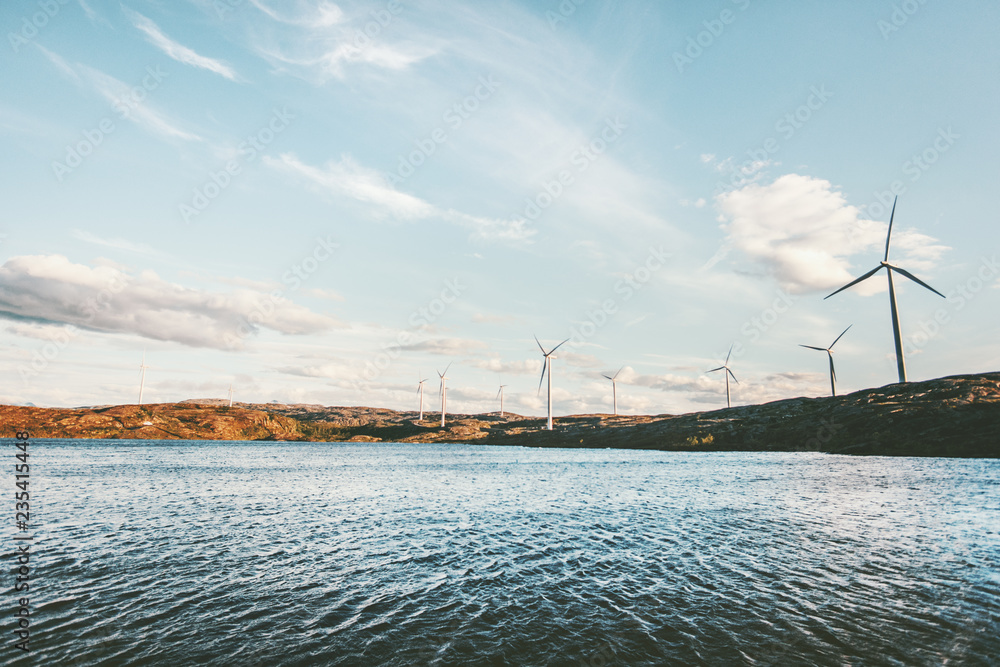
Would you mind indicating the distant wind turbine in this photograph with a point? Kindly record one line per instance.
(444, 391)
(142, 375)
(230, 394)
(420, 392)
(829, 352)
(614, 387)
(728, 373)
(889, 268)
(500, 396)
(547, 365)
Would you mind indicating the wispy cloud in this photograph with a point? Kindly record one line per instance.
(119, 95)
(177, 51)
(447, 346)
(346, 178)
(323, 41)
(116, 243)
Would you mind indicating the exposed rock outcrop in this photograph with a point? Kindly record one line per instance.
(953, 416)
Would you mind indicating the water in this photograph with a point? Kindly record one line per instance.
(197, 553)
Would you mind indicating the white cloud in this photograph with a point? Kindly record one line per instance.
(51, 289)
(801, 231)
(178, 52)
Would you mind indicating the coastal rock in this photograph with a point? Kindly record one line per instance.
(952, 416)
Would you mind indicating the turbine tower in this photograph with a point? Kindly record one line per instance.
(142, 375)
(889, 268)
(829, 352)
(420, 392)
(500, 396)
(547, 365)
(728, 373)
(614, 387)
(230, 394)
(444, 391)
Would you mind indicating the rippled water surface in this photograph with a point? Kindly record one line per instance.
(195, 553)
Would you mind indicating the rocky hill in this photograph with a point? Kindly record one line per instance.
(953, 416)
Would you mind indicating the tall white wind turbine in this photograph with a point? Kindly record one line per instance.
(420, 392)
(142, 375)
(829, 352)
(547, 366)
(614, 387)
(500, 396)
(889, 268)
(728, 373)
(230, 394)
(444, 391)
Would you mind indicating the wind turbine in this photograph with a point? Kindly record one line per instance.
(728, 373)
(614, 387)
(142, 375)
(500, 396)
(444, 391)
(547, 365)
(829, 352)
(889, 268)
(420, 391)
(230, 394)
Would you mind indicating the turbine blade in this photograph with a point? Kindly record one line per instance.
(821, 349)
(618, 373)
(833, 373)
(839, 337)
(855, 281)
(732, 376)
(730, 352)
(447, 367)
(916, 280)
(558, 346)
(609, 377)
(498, 392)
(889, 235)
(715, 369)
(545, 363)
(544, 353)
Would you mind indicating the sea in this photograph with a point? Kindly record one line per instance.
(277, 553)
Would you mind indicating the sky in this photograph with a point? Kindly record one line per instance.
(319, 202)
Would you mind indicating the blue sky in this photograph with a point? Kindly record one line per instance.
(326, 202)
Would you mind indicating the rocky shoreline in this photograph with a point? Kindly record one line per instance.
(954, 416)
